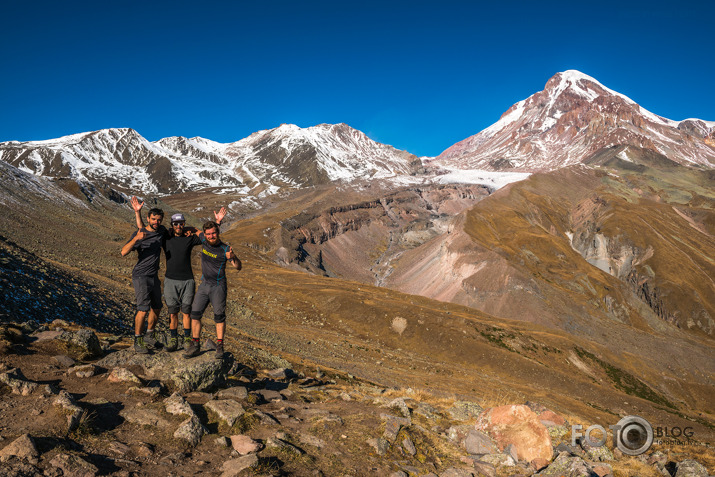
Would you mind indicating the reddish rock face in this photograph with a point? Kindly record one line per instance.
(520, 426)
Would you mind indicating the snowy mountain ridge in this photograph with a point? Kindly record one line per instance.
(572, 118)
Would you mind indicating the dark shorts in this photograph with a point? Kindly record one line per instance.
(179, 294)
(214, 294)
(148, 293)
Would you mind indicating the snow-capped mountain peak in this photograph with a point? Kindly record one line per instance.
(286, 156)
(573, 117)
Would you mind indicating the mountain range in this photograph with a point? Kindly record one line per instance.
(577, 267)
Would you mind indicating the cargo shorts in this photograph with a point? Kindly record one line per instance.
(214, 294)
(147, 291)
(179, 294)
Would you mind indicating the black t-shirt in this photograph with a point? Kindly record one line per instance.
(213, 261)
(149, 250)
(178, 256)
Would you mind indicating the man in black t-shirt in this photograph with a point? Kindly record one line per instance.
(179, 285)
(215, 255)
(148, 242)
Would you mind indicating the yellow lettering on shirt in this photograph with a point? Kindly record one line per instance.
(212, 255)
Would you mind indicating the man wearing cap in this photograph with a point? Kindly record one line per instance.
(179, 285)
(148, 242)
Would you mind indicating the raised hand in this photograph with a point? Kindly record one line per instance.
(136, 205)
(220, 215)
(230, 255)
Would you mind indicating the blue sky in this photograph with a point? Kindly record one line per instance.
(417, 75)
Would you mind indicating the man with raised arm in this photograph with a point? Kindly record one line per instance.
(179, 285)
(148, 242)
(215, 255)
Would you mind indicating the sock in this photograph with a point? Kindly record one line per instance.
(173, 333)
(187, 332)
(195, 340)
(149, 332)
(219, 341)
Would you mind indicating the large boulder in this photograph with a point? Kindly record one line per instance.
(520, 426)
(180, 374)
(83, 344)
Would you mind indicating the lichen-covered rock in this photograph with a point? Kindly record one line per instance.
(227, 410)
(190, 431)
(478, 442)
(234, 467)
(464, 410)
(17, 382)
(690, 468)
(83, 343)
(183, 375)
(177, 405)
(566, 465)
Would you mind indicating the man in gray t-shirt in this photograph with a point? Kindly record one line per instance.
(148, 242)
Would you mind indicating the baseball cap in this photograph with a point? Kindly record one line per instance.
(178, 218)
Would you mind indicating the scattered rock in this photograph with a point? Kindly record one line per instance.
(498, 460)
(152, 391)
(63, 360)
(520, 426)
(83, 343)
(409, 446)
(392, 428)
(595, 454)
(455, 472)
(233, 467)
(379, 444)
(245, 445)
(478, 442)
(602, 470)
(566, 465)
(281, 373)
(123, 375)
(190, 431)
(17, 382)
(177, 405)
(84, 371)
(281, 444)
(464, 410)
(690, 468)
(145, 417)
(74, 466)
(23, 448)
(69, 408)
(119, 448)
(237, 393)
(427, 411)
(400, 404)
(311, 440)
(47, 335)
(227, 410)
(223, 441)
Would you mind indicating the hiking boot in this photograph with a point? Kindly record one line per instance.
(193, 350)
(140, 345)
(219, 351)
(150, 339)
(187, 342)
(172, 344)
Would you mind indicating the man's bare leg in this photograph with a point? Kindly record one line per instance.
(220, 330)
(139, 323)
(196, 329)
(150, 338)
(174, 321)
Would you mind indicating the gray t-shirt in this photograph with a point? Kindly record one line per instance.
(149, 250)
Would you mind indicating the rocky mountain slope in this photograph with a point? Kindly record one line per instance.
(572, 118)
(287, 156)
(75, 403)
